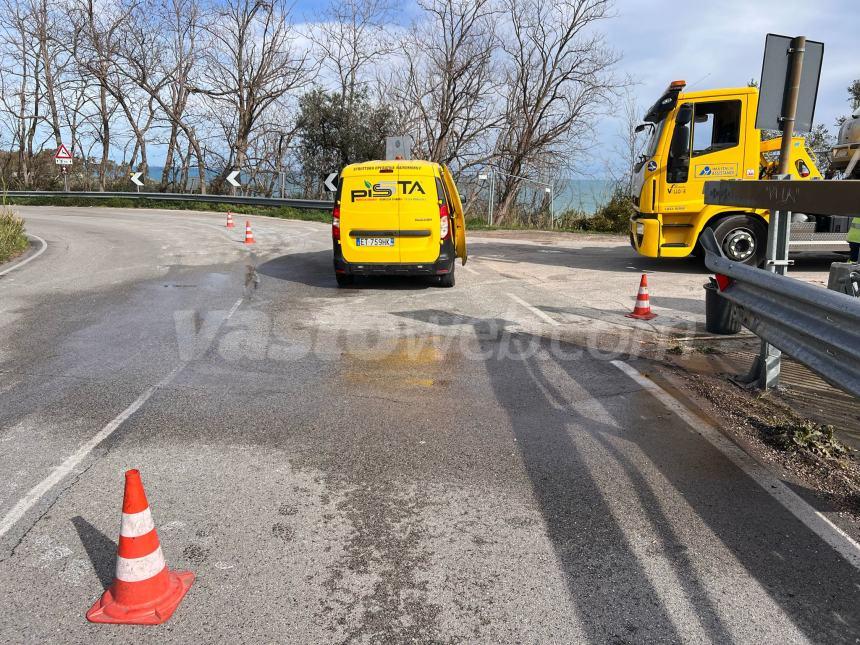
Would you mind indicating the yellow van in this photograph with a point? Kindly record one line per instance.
(397, 217)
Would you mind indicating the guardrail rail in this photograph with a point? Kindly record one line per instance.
(312, 204)
(818, 327)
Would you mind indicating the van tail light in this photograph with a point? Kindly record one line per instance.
(444, 222)
(335, 223)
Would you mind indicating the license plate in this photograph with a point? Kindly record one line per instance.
(374, 241)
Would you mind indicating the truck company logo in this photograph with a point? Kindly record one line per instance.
(386, 189)
(717, 170)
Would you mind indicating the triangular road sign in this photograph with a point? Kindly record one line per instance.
(63, 152)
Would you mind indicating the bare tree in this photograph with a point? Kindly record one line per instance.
(352, 38)
(449, 79)
(251, 63)
(558, 78)
(97, 28)
(161, 54)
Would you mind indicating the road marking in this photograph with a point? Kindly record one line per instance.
(537, 312)
(470, 270)
(29, 259)
(60, 472)
(843, 543)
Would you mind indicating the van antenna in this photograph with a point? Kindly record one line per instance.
(692, 85)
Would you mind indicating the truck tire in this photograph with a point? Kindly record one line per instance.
(742, 238)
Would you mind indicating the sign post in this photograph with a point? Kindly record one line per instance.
(231, 179)
(788, 89)
(135, 179)
(63, 158)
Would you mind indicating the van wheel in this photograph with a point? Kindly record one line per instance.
(343, 279)
(742, 238)
(447, 279)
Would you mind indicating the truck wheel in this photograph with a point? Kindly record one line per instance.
(447, 279)
(343, 279)
(742, 238)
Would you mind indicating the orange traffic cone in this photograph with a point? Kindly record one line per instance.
(230, 223)
(144, 590)
(642, 310)
(249, 234)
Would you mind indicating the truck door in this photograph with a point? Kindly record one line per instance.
(714, 150)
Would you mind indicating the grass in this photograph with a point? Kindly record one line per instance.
(282, 212)
(12, 238)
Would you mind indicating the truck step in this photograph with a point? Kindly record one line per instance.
(677, 226)
(675, 245)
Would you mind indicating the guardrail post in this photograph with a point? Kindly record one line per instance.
(767, 368)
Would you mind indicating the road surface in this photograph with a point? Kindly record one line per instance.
(387, 463)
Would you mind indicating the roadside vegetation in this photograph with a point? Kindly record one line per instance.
(13, 241)
(282, 212)
(611, 217)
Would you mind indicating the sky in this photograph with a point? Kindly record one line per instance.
(711, 44)
(721, 44)
(708, 44)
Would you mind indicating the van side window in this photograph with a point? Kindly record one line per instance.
(440, 190)
(716, 126)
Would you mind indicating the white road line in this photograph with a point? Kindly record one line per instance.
(29, 259)
(843, 543)
(470, 270)
(537, 312)
(58, 474)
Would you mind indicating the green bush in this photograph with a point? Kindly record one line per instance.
(12, 238)
(611, 217)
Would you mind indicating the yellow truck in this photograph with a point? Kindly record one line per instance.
(694, 137)
(397, 217)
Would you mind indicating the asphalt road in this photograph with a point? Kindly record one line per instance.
(388, 463)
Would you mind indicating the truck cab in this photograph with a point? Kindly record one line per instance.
(694, 137)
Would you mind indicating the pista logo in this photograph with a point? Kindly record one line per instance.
(384, 189)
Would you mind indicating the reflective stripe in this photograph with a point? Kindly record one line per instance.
(137, 569)
(136, 524)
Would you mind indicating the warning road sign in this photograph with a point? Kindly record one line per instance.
(63, 157)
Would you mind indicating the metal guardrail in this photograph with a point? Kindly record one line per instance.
(314, 204)
(818, 327)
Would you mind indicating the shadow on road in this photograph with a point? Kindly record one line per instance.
(314, 269)
(621, 258)
(100, 549)
(573, 438)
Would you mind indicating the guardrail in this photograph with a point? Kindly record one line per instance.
(818, 327)
(313, 204)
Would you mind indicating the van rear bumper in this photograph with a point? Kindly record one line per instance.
(443, 264)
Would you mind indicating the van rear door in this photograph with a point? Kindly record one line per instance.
(419, 214)
(459, 219)
(370, 215)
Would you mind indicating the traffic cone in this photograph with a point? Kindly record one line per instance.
(230, 223)
(249, 234)
(642, 310)
(144, 590)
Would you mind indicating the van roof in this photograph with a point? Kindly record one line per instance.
(406, 164)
